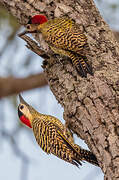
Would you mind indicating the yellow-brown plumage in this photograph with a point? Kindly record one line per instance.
(64, 38)
(53, 137)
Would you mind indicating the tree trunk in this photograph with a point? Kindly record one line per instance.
(91, 105)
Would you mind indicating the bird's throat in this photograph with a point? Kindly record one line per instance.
(25, 121)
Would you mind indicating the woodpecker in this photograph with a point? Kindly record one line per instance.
(53, 137)
(64, 38)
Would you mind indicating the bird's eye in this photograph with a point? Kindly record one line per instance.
(28, 26)
(21, 107)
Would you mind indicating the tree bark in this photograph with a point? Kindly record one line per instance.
(116, 33)
(91, 105)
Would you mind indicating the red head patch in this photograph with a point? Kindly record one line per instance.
(38, 19)
(25, 121)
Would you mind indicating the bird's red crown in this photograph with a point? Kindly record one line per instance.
(38, 19)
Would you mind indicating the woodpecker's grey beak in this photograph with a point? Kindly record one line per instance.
(22, 100)
(23, 33)
(26, 32)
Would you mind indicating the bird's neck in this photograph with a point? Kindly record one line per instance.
(41, 26)
(26, 121)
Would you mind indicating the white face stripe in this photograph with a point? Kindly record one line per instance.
(25, 111)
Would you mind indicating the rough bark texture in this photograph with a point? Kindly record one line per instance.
(116, 35)
(91, 105)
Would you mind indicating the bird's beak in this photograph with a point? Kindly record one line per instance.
(22, 101)
(26, 32)
(21, 98)
(23, 33)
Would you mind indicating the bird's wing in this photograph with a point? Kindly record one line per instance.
(55, 121)
(51, 140)
(66, 38)
(44, 131)
(58, 124)
(41, 133)
(61, 147)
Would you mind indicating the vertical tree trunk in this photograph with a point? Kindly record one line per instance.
(91, 105)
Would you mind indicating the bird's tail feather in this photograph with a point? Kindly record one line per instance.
(81, 64)
(89, 157)
(84, 155)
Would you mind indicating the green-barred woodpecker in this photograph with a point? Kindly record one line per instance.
(53, 137)
(64, 38)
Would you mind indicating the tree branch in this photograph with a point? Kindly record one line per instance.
(90, 104)
(10, 85)
(33, 46)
